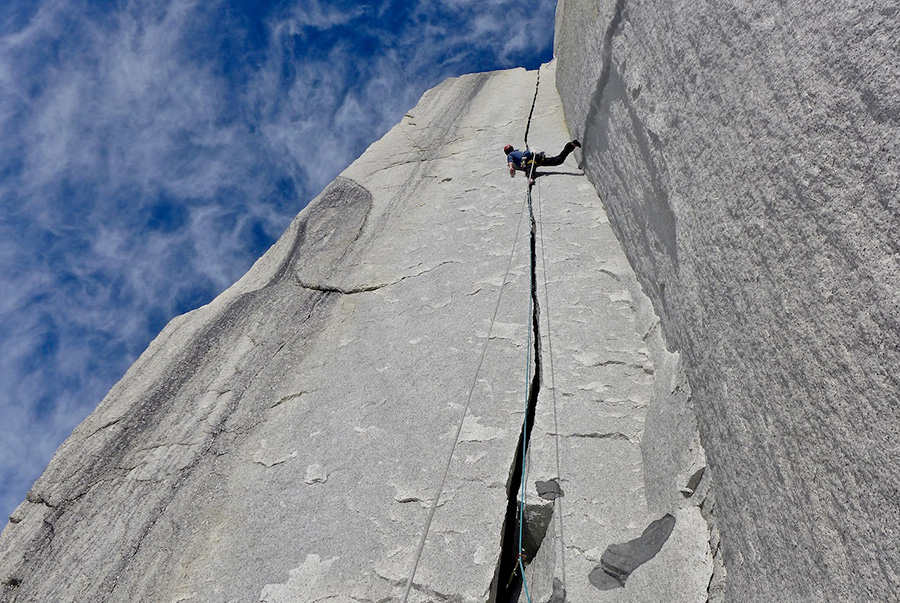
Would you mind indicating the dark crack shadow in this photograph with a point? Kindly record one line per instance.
(507, 581)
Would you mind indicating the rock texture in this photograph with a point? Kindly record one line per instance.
(746, 154)
(289, 441)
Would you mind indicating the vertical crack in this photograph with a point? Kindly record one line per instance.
(507, 578)
(537, 85)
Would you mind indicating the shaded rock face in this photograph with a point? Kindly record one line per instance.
(746, 154)
(346, 422)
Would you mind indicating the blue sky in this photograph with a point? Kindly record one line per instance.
(150, 151)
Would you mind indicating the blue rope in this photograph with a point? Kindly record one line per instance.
(524, 481)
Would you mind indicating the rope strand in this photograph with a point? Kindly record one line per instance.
(523, 485)
(462, 419)
(526, 454)
(558, 500)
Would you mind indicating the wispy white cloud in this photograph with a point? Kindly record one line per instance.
(319, 16)
(117, 119)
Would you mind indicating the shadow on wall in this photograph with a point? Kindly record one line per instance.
(620, 560)
(650, 205)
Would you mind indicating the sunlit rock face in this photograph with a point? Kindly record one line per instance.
(284, 443)
(747, 156)
(345, 423)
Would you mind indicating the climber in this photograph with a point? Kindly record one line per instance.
(528, 162)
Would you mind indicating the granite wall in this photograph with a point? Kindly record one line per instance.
(746, 153)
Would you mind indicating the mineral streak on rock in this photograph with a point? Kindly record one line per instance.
(746, 154)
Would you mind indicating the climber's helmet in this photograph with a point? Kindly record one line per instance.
(508, 149)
